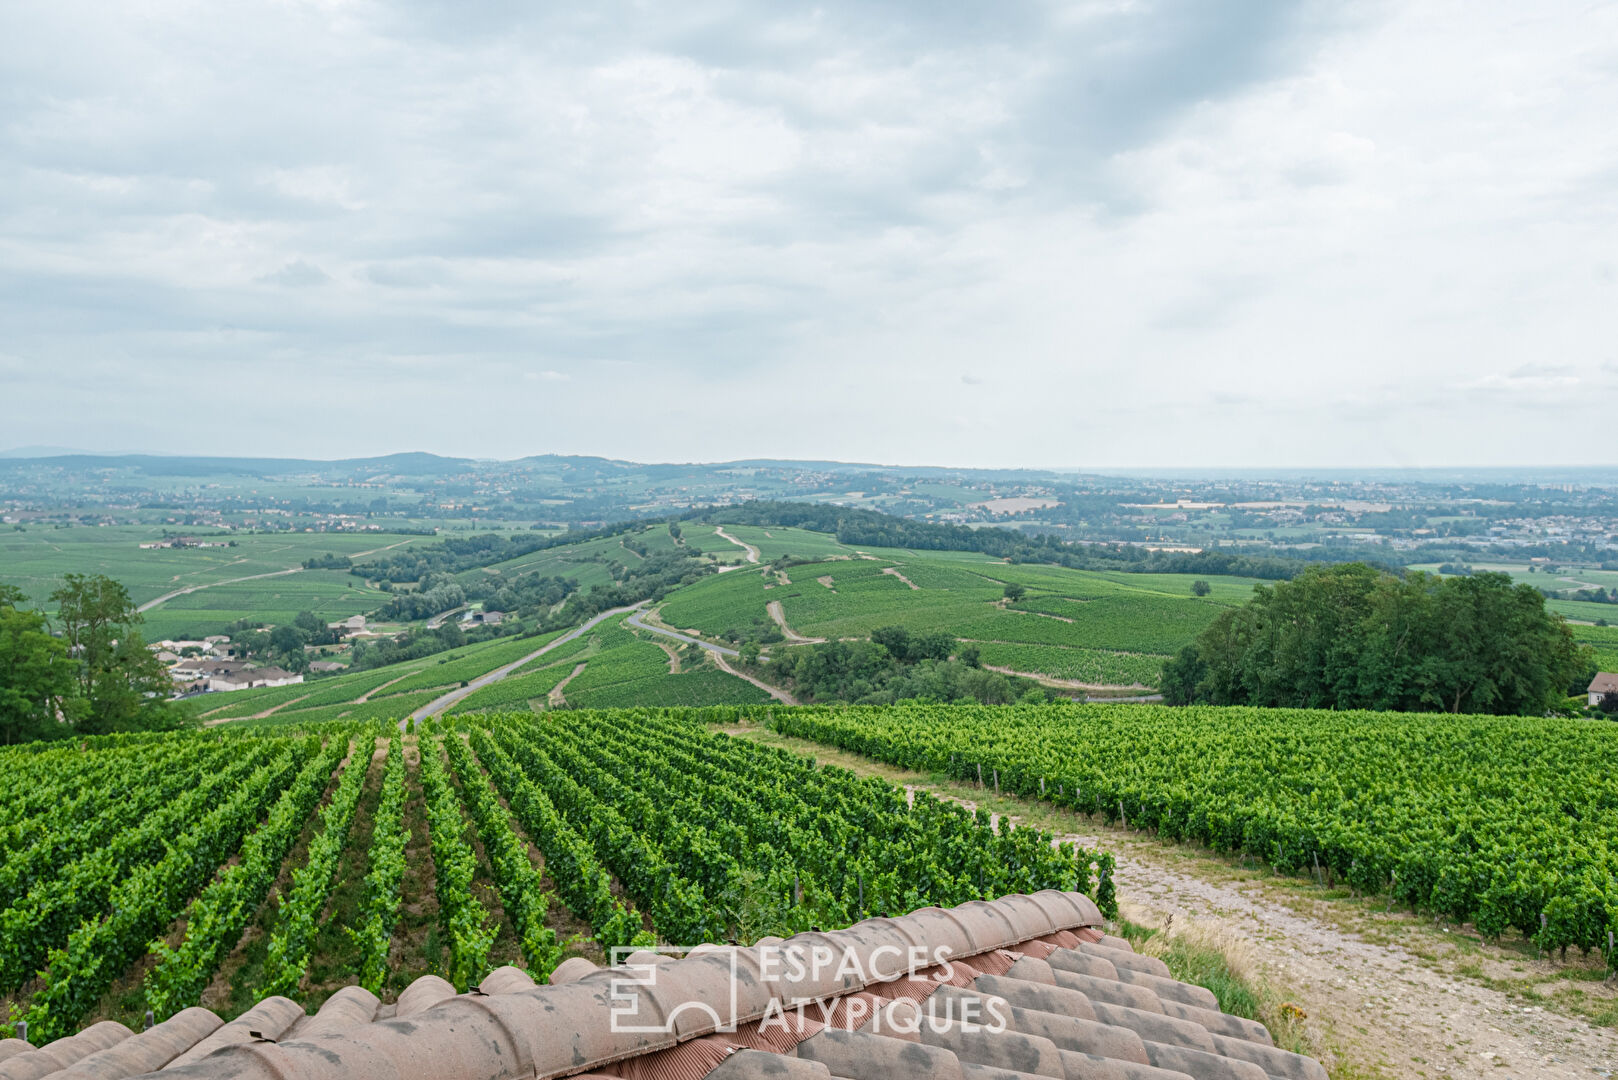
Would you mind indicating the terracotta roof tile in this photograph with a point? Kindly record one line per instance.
(1074, 1002)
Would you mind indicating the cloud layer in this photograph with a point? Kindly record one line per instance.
(1101, 233)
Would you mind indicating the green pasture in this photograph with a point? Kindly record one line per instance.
(36, 559)
(330, 594)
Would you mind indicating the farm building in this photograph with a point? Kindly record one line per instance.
(253, 678)
(1603, 684)
(221, 676)
(1028, 986)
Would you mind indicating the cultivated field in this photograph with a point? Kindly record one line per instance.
(1098, 629)
(163, 871)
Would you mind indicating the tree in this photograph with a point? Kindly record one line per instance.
(286, 640)
(121, 684)
(1015, 592)
(35, 672)
(1354, 637)
(1200, 588)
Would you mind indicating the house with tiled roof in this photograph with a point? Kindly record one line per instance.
(1013, 989)
(1603, 684)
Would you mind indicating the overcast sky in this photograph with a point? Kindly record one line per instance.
(1092, 234)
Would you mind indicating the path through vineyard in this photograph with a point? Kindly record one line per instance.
(1386, 1010)
(1383, 1003)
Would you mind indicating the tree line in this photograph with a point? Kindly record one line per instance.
(1353, 636)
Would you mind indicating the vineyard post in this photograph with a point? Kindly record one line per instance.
(997, 781)
(22, 1030)
(859, 883)
(1121, 818)
(980, 776)
(1542, 921)
(150, 1021)
(1393, 886)
(1321, 877)
(797, 893)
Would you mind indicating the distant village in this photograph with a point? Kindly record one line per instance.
(211, 665)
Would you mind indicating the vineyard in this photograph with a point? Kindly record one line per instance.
(1099, 629)
(133, 867)
(1509, 823)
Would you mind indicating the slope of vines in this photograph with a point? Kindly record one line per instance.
(715, 838)
(1507, 822)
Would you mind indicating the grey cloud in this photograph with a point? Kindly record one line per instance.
(750, 207)
(297, 274)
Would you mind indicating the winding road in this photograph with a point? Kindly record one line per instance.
(720, 653)
(752, 552)
(439, 704)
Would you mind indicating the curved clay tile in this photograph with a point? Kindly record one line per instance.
(1111, 991)
(1068, 909)
(1082, 963)
(147, 1052)
(1118, 958)
(572, 969)
(858, 1056)
(748, 1065)
(349, 1008)
(1067, 1013)
(58, 1055)
(421, 995)
(10, 1048)
(271, 1018)
(506, 980)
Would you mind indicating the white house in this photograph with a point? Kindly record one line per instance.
(1603, 684)
(252, 678)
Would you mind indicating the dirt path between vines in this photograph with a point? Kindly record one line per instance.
(1067, 684)
(752, 552)
(774, 691)
(1387, 994)
(893, 571)
(780, 616)
(556, 699)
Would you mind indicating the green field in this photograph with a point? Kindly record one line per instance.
(35, 560)
(331, 594)
(1101, 629)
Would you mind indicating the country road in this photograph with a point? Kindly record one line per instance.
(150, 604)
(720, 655)
(638, 623)
(439, 704)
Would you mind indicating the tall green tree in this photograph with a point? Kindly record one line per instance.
(1355, 637)
(36, 675)
(121, 684)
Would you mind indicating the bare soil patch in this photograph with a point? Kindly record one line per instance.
(556, 699)
(780, 617)
(893, 571)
